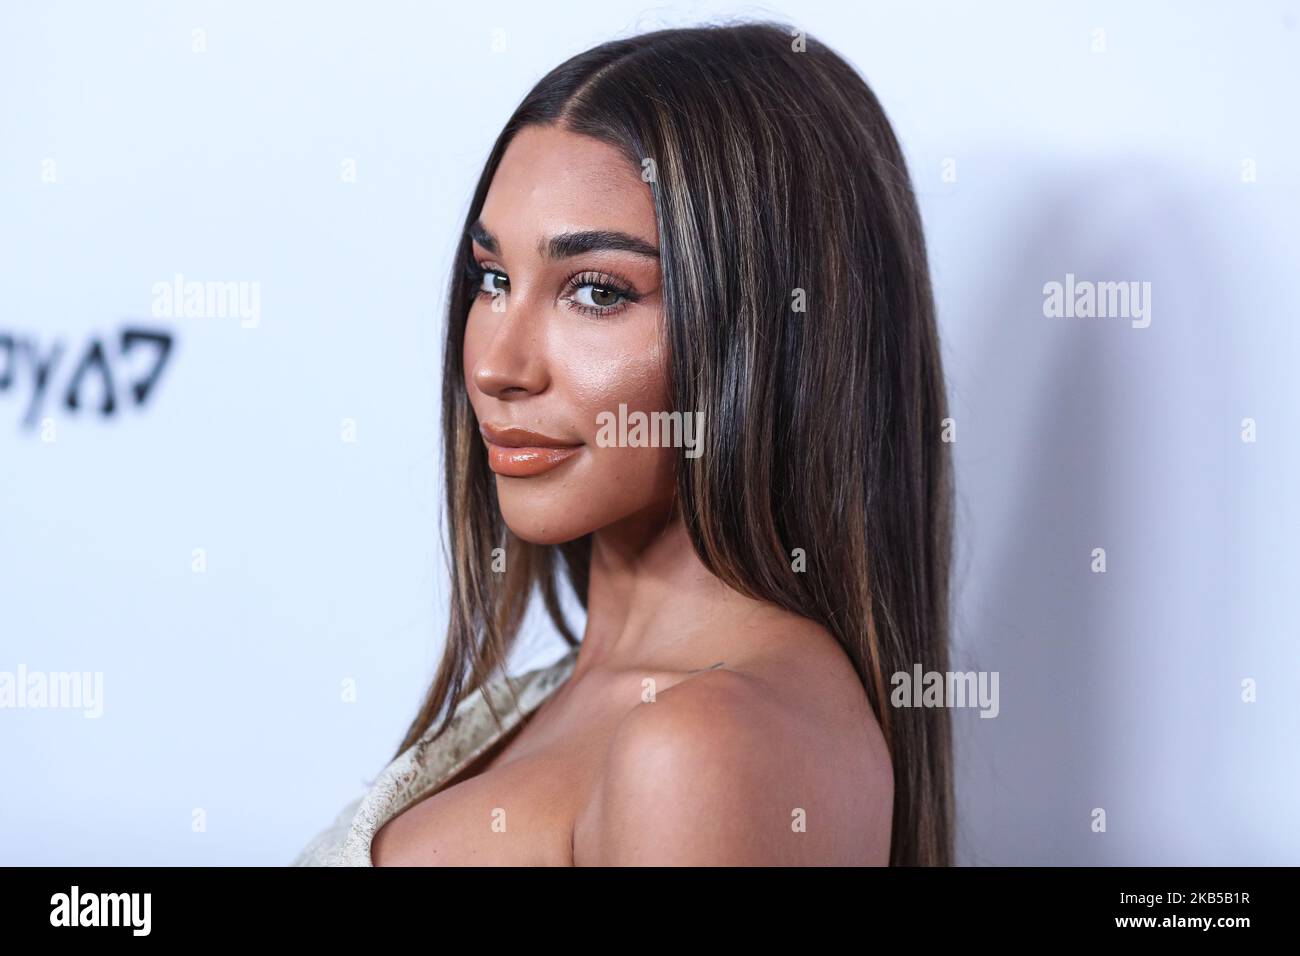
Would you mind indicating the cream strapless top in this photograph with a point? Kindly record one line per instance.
(429, 762)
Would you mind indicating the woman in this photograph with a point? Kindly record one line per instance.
(691, 368)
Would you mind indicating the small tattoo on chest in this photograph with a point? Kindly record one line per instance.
(711, 667)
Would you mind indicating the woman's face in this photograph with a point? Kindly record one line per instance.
(566, 327)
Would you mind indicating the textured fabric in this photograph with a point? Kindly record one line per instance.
(428, 763)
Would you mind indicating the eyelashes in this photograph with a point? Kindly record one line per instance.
(602, 285)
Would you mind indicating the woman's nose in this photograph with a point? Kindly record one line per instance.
(513, 362)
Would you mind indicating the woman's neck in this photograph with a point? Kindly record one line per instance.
(652, 604)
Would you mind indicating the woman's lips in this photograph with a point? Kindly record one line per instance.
(519, 453)
(526, 462)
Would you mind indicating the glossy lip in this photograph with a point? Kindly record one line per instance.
(520, 453)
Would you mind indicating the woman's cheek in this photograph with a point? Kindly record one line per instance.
(629, 374)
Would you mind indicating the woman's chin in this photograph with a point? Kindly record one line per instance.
(536, 526)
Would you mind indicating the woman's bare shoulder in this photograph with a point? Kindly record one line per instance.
(770, 758)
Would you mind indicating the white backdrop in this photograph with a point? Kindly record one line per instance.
(260, 531)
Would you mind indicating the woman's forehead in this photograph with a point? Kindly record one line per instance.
(552, 180)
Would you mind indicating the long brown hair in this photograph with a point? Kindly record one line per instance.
(799, 319)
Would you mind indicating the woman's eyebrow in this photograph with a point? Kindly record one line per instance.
(568, 244)
(478, 232)
(576, 243)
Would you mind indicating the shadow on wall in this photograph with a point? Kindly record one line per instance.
(1082, 434)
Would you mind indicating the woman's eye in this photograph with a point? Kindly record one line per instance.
(494, 282)
(599, 296)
